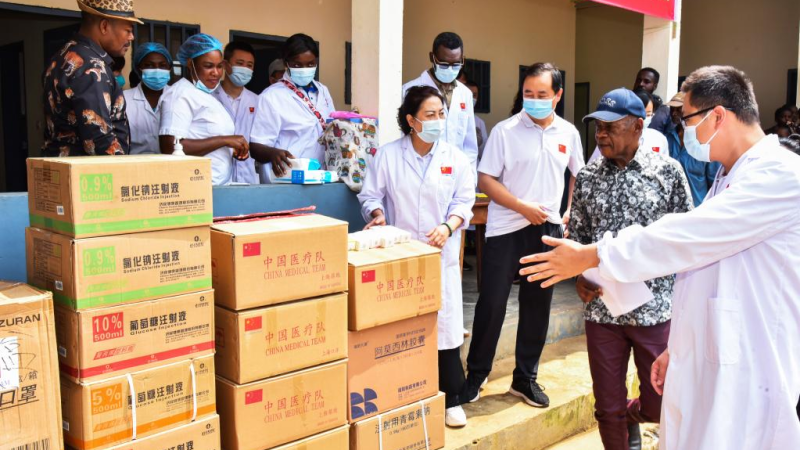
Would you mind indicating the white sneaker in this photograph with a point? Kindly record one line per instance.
(455, 417)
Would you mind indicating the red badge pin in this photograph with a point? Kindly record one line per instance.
(252, 109)
(447, 170)
(463, 106)
(657, 149)
(562, 148)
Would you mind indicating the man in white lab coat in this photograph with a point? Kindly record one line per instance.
(731, 373)
(240, 102)
(447, 59)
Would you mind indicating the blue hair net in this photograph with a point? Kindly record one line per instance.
(198, 45)
(147, 48)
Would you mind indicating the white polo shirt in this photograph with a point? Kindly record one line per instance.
(187, 112)
(530, 162)
(652, 139)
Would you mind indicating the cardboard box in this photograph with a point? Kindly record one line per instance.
(114, 270)
(403, 428)
(392, 365)
(101, 413)
(30, 412)
(338, 439)
(83, 197)
(266, 262)
(202, 434)
(395, 283)
(262, 343)
(272, 412)
(99, 343)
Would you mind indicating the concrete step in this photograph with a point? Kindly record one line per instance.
(590, 440)
(501, 421)
(566, 316)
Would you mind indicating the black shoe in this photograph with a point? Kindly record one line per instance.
(531, 392)
(634, 437)
(473, 388)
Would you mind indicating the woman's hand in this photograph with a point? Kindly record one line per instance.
(378, 219)
(438, 236)
(240, 146)
(280, 161)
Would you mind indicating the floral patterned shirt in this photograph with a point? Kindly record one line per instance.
(83, 106)
(610, 199)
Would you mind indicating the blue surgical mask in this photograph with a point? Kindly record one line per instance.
(155, 79)
(539, 109)
(431, 130)
(120, 81)
(698, 151)
(240, 76)
(647, 121)
(302, 76)
(447, 74)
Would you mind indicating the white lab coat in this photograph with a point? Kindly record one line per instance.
(284, 121)
(733, 379)
(460, 130)
(144, 122)
(243, 112)
(188, 112)
(419, 203)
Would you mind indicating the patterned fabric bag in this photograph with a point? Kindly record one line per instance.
(350, 144)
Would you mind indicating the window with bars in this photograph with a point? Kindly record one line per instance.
(169, 34)
(480, 72)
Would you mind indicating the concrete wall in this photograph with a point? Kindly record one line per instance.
(508, 34)
(608, 50)
(760, 38)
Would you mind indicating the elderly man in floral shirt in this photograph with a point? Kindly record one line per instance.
(626, 187)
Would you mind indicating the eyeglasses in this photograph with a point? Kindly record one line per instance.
(697, 113)
(453, 66)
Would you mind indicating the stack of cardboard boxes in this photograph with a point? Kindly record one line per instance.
(281, 332)
(30, 411)
(124, 245)
(393, 377)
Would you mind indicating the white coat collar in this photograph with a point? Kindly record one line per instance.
(410, 155)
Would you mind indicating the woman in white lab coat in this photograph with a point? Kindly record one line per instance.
(193, 122)
(292, 113)
(425, 186)
(153, 63)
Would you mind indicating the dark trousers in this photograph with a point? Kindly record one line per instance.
(451, 377)
(609, 352)
(501, 256)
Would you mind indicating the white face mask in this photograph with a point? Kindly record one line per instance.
(431, 130)
(698, 151)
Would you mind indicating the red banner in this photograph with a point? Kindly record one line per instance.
(659, 8)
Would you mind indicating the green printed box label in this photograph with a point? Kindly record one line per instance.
(97, 187)
(99, 261)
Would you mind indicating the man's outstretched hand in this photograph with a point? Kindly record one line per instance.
(566, 260)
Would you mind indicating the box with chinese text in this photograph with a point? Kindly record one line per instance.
(83, 197)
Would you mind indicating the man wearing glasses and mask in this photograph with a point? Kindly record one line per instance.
(447, 60)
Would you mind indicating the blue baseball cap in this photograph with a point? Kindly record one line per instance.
(617, 104)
